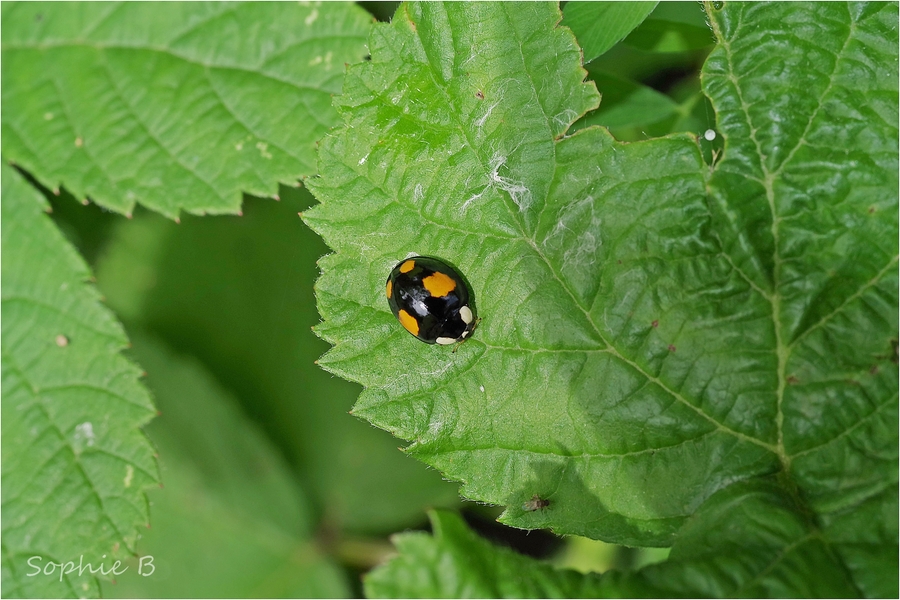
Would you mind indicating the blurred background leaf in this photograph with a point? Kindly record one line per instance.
(231, 519)
(599, 25)
(650, 82)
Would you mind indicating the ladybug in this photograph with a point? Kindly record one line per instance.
(431, 300)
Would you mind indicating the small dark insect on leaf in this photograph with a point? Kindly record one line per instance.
(536, 503)
(479, 94)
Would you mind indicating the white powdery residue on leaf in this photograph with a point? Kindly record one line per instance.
(577, 229)
(84, 435)
(263, 149)
(518, 191)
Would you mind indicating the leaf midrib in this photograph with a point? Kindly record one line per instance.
(783, 351)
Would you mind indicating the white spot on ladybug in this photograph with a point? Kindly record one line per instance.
(466, 314)
(445, 341)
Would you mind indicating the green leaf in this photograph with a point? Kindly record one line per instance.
(231, 519)
(627, 104)
(747, 541)
(804, 202)
(600, 25)
(568, 387)
(456, 563)
(654, 331)
(673, 27)
(178, 106)
(75, 462)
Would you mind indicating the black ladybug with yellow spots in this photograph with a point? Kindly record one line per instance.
(431, 300)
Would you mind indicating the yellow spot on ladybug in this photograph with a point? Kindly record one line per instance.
(408, 321)
(408, 266)
(390, 288)
(439, 284)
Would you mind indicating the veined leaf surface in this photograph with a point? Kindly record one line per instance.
(177, 106)
(655, 330)
(75, 462)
